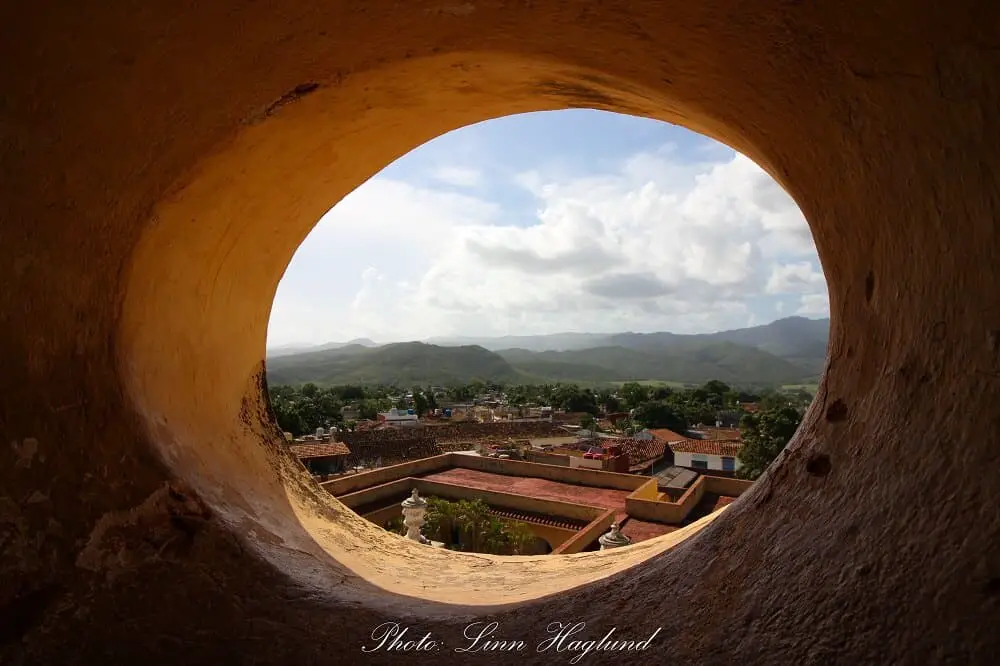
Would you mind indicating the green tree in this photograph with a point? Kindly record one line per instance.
(368, 409)
(634, 394)
(517, 538)
(660, 393)
(660, 415)
(350, 392)
(473, 519)
(461, 393)
(765, 435)
(440, 520)
(773, 400)
(628, 427)
(470, 526)
(419, 402)
(608, 401)
(573, 399)
(715, 387)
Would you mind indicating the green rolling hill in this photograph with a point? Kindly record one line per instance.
(402, 364)
(788, 351)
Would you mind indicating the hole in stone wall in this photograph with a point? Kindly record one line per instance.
(837, 411)
(870, 286)
(819, 465)
(581, 289)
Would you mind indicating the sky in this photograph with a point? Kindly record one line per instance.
(551, 222)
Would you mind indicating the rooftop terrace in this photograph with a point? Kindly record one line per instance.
(583, 501)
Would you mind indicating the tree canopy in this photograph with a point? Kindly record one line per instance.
(765, 435)
(662, 414)
(300, 410)
(469, 526)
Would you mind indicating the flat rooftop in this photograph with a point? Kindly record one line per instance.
(604, 498)
(374, 491)
(641, 530)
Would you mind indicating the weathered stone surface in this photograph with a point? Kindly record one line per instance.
(160, 164)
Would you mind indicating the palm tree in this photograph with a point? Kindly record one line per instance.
(473, 519)
(469, 526)
(518, 537)
(495, 537)
(440, 520)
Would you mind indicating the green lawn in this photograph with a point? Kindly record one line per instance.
(812, 388)
(654, 382)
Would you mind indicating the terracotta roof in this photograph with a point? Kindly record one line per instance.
(320, 450)
(638, 450)
(712, 447)
(551, 521)
(667, 435)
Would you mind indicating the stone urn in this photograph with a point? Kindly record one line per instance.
(414, 509)
(614, 538)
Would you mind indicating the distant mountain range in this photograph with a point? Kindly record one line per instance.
(287, 350)
(787, 351)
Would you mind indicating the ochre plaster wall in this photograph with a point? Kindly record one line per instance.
(644, 504)
(726, 486)
(160, 163)
(586, 536)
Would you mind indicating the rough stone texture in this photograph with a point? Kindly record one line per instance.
(162, 160)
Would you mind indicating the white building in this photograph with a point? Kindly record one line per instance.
(717, 455)
(399, 417)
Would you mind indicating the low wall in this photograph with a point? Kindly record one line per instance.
(586, 536)
(353, 482)
(381, 516)
(577, 476)
(666, 512)
(726, 486)
(584, 477)
(648, 490)
(513, 501)
(375, 493)
(542, 458)
(585, 463)
(556, 537)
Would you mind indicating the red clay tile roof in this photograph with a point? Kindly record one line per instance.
(666, 435)
(712, 447)
(304, 451)
(638, 450)
(563, 523)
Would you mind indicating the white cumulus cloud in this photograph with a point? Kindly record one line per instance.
(655, 244)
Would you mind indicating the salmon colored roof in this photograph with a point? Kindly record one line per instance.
(711, 447)
(562, 523)
(638, 450)
(667, 435)
(304, 451)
